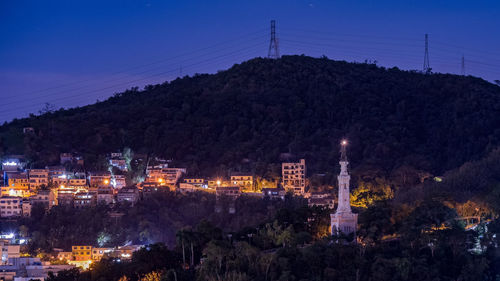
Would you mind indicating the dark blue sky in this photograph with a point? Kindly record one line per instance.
(71, 53)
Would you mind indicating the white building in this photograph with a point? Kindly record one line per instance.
(294, 176)
(11, 206)
(8, 251)
(344, 220)
(38, 177)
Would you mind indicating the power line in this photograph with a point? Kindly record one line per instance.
(131, 81)
(145, 65)
(119, 78)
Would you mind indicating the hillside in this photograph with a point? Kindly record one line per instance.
(401, 125)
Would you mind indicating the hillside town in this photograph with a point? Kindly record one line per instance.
(67, 185)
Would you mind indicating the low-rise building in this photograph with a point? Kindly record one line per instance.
(230, 191)
(99, 179)
(45, 197)
(164, 176)
(105, 195)
(65, 256)
(84, 200)
(26, 207)
(243, 180)
(98, 253)
(128, 194)
(274, 193)
(38, 178)
(8, 251)
(10, 206)
(81, 253)
(324, 199)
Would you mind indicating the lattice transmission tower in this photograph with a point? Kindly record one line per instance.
(427, 67)
(274, 51)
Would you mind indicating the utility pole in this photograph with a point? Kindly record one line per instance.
(427, 68)
(463, 65)
(273, 52)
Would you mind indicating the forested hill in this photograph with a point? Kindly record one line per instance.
(246, 116)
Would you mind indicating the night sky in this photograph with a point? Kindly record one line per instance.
(72, 53)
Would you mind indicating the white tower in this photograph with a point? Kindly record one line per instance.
(344, 220)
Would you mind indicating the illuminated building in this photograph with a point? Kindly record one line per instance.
(100, 179)
(18, 185)
(230, 191)
(11, 206)
(243, 180)
(98, 253)
(45, 197)
(294, 176)
(38, 177)
(128, 194)
(65, 256)
(164, 176)
(274, 193)
(105, 196)
(199, 182)
(118, 181)
(26, 207)
(192, 184)
(8, 251)
(84, 200)
(81, 253)
(344, 220)
(117, 160)
(323, 199)
(18, 181)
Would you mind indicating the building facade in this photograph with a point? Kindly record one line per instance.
(294, 176)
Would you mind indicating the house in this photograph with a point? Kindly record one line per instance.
(128, 194)
(98, 253)
(274, 193)
(18, 185)
(164, 176)
(81, 253)
(26, 207)
(294, 176)
(38, 177)
(65, 256)
(84, 200)
(18, 182)
(105, 195)
(97, 179)
(117, 160)
(45, 197)
(10, 206)
(243, 180)
(8, 250)
(230, 191)
(324, 199)
(118, 181)
(192, 184)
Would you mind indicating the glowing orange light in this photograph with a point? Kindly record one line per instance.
(160, 180)
(106, 181)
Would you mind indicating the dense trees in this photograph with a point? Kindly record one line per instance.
(400, 124)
